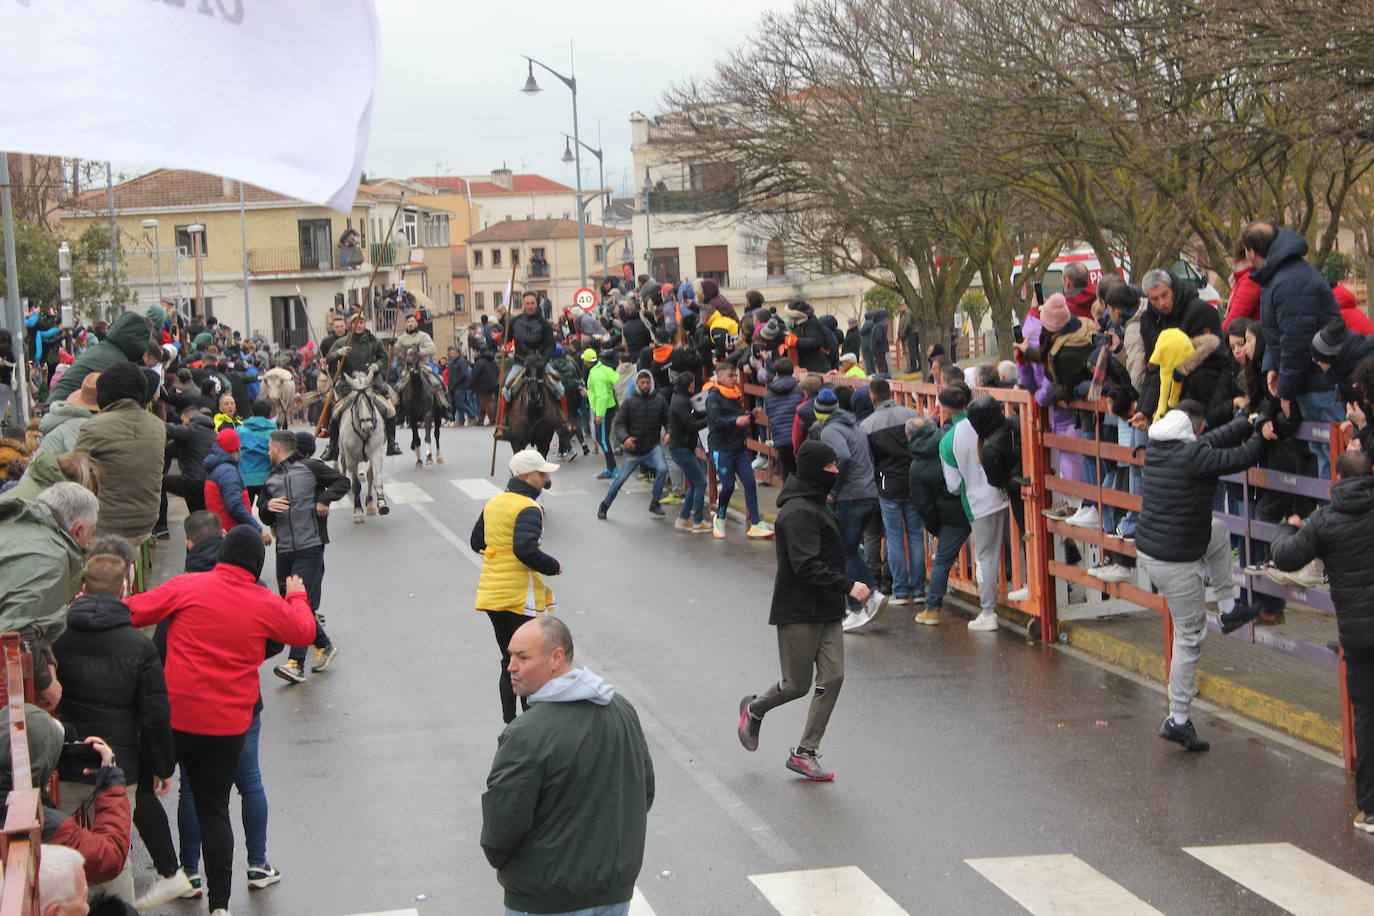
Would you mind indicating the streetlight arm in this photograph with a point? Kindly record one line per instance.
(595, 152)
(569, 81)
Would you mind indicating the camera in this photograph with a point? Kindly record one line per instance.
(76, 757)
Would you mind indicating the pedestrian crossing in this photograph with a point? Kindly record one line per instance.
(1289, 877)
(478, 489)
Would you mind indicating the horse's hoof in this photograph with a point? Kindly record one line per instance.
(371, 509)
(383, 509)
(357, 518)
(419, 463)
(429, 459)
(439, 458)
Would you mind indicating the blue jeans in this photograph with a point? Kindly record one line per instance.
(1128, 435)
(248, 779)
(653, 458)
(948, 542)
(613, 909)
(730, 465)
(853, 515)
(1321, 407)
(694, 500)
(907, 561)
(464, 405)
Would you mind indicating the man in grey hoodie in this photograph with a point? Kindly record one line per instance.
(567, 802)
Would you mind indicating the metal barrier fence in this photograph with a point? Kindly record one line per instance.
(1037, 561)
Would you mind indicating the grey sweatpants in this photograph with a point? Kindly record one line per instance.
(1184, 586)
(989, 541)
(802, 647)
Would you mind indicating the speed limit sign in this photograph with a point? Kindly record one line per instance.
(584, 298)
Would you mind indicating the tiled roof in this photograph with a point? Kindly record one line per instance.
(520, 230)
(174, 188)
(520, 184)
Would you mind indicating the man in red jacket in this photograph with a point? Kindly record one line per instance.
(224, 619)
(1080, 292)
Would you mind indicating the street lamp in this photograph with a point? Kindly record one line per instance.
(601, 189)
(157, 255)
(532, 88)
(648, 225)
(196, 231)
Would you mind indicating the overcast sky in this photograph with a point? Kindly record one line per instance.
(448, 91)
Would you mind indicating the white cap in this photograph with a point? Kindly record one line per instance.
(849, 358)
(529, 461)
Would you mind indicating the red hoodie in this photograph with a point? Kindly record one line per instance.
(1355, 319)
(1081, 302)
(1245, 297)
(221, 621)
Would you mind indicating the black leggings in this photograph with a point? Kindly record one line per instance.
(208, 762)
(505, 624)
(151, 820)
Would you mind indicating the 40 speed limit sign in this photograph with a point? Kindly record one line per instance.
(584, 298)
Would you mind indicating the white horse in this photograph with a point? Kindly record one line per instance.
(279, 390)
(362, 439)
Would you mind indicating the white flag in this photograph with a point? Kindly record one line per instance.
(273, 92)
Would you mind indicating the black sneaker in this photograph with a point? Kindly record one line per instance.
(656, 509)
(1184, 735)
(601, 511)
(1238, 617)
(162, 534)
(393, 449)
(749, 724)
(331, 453)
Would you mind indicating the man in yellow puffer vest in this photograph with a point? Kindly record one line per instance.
(511, 589)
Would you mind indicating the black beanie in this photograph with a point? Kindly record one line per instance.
(1327, 343)
(813, 457)
(120, 381)
(243, 547)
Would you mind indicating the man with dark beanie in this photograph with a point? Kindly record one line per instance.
(1337, 350)
(808, 608)
(1341, 535)
(129, 442)
(224, 620)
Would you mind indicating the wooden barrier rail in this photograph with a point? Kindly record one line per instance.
(21, 839)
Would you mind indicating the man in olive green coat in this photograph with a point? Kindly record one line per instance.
(129, 443)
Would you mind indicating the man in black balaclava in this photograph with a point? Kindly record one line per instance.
(808, 608)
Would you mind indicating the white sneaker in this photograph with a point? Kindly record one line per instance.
(853, 620)
(164, 889)
(898, 600)
(1085, 517)
(1021, 594)
(983, 622)
(875, 605)
(718, 528)
(1112, 572)
(1313, 575)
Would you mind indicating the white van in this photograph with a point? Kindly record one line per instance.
(1054, 277)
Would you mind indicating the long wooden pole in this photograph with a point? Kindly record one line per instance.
(322, 428)
(501, 372)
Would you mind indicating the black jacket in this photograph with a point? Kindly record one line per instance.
(641, 416)
(937, 506)
(1341, 535)
(459, 373)
(113, 686)
(1208, 381)
(533, 336)
(885, 430)
(486, 377)
(1001, 452)
(722, 412)
(684, 423)
(811, 354)
(636, 334)
(1295, 303)
(190, 444)
(1180, 481)
(810, 585)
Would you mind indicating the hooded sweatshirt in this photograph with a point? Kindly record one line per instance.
(642, 417)
(841, 432)
(566, 807)
(601, 379)
(1172, 350)
(128, 338)
(964, 472)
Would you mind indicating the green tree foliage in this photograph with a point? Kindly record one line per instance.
(95, 289)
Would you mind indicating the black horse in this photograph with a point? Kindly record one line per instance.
(534, 413)
(420, 408)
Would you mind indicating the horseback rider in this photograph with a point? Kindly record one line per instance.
(414, 337)
(534, 338)
(362, 352)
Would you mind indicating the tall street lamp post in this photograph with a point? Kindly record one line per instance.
(197, 232)
(601, 189)
(532, 88)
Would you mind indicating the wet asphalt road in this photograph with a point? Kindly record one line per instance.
(948, 745)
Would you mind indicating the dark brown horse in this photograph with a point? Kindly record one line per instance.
(535, 413)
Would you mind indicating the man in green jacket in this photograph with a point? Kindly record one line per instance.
(126, 343)
(130, 444)
(601, 381)
(568, 796)
(360, 352)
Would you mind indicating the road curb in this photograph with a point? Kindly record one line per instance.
(1295, 720)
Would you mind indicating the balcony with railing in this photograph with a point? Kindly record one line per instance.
(705, 201)
(299, 260)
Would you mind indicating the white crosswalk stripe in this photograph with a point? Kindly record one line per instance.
(826, 892)
(398, 493)
(479, 488)
(1289, 877)
(410, 912)
(639, 906)
(1053, 885)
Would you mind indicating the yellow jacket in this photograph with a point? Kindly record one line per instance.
(1172, 349)
(506, 583)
